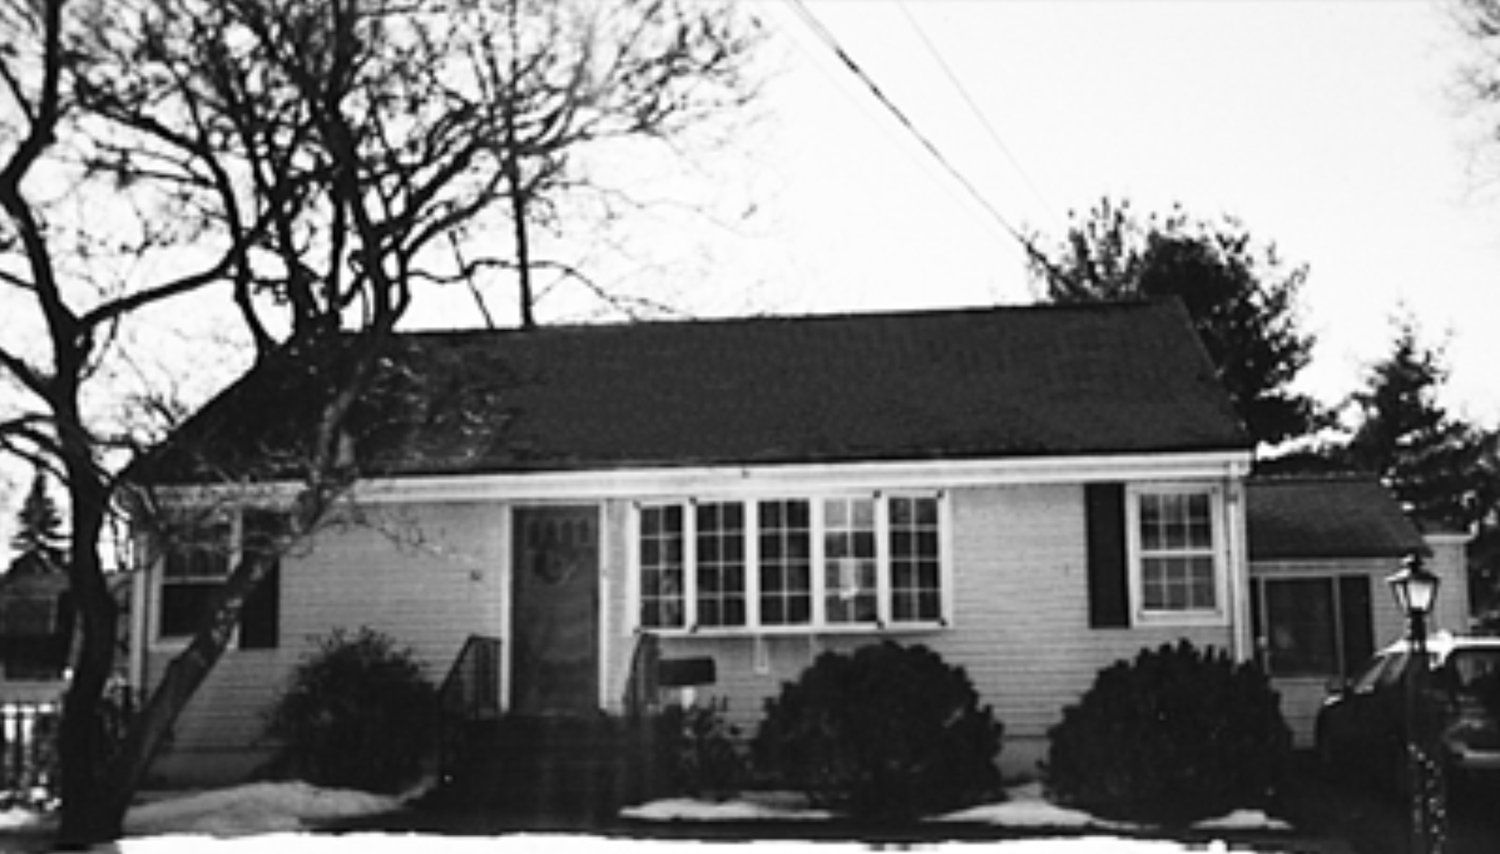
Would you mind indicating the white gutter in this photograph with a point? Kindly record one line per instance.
(753, 479)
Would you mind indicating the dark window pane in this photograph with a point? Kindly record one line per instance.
(1300, 627)
(185, 607)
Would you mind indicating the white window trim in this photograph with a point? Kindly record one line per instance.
(1144, 617)
(818, 623)
(156, 643)
(176, 643)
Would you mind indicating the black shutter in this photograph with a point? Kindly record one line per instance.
(260, 618)
(1109, 593)
(1355, 621)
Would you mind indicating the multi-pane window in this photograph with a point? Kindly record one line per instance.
(1177, 552)
(785, 569)
(721, 564)
(781, 563)
(194, 568)
(1313, 626)
(198, 555)
(849, 594)
(661, 567)
(915, 590)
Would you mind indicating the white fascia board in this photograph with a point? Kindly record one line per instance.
(749, 479)
(779, 479)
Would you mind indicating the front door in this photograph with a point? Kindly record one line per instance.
(555, 612)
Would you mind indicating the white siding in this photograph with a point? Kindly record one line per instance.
(1020, 625)
(428, 576)
(432, 574)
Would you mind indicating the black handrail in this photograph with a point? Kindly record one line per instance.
(471, 690)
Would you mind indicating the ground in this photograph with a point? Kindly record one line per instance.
(294, 817)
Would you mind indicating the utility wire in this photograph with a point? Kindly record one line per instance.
(963, 92)
(832, 43)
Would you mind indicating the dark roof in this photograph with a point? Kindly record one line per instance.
(1021, 381)
(1330, 516)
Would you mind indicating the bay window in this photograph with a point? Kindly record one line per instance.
(848, 561)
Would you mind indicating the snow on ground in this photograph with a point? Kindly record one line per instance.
(273, 816)
(372, 843)
(1026, 807)
(256, 808)
(253, 808)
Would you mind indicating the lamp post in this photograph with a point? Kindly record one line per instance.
(1415, 589)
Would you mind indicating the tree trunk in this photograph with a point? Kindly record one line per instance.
(83, 744)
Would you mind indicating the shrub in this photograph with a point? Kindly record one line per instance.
(1177, 735)
(703, 753)
(357, 713)
(887, 732)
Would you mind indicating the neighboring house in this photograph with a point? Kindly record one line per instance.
(36, 634)
(1032, 492)
(1321, 547)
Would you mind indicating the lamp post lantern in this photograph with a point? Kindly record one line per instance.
(1415, 588)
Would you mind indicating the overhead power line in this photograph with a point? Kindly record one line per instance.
(832, 43)
(973, 105)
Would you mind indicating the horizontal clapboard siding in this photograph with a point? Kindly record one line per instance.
(426, 575)
(1021, 621)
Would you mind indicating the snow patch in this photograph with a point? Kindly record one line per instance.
(770, 806)
(253, 808)
(373, 843)
(1026, 807)
(1244, 820)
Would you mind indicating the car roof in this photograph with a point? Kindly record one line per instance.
(1444, 644)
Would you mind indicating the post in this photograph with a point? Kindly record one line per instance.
(1417, 761)
(1415, 589)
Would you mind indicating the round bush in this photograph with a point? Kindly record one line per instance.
(888, 732)
(1175, 736)
(357, 713)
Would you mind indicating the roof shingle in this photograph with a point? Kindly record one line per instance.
(1022, 381)
(1327, 516)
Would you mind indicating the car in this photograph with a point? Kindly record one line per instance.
(1361, 726)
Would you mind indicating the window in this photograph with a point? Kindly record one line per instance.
(1314, 626)
(199, 555)
(194, 568)
(914, 559)
(661, 567)
(785, 569)
(721, 564)
(789, 563)
(1175, 555)
(849, 593)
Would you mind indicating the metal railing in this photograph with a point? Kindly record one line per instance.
(471, 690)
(28, 749)
(469, 693)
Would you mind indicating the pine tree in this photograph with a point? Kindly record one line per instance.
(1242, 299)
(39, 542)
(1438, 466)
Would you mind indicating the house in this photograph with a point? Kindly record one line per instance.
(1321, 547)
(36, 634)
(1033, 492)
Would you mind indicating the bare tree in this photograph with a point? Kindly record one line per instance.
(325, 159)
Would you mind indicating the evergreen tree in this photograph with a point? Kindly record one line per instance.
(39, 542)
(1440, 467)
(1241, 299)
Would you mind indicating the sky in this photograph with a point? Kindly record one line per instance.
(1332, 129)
